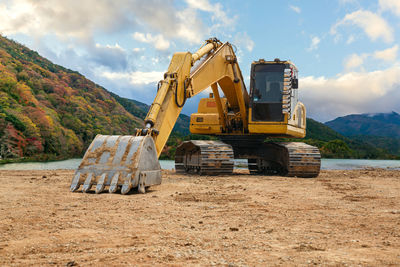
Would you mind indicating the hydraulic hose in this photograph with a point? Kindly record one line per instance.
(184, 94)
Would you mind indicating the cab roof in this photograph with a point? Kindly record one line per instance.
(275, 61)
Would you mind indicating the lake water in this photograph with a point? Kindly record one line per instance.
(326, 164)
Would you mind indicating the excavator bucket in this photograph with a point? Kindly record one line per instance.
(118, 161)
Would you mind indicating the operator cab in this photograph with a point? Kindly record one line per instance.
(271, 91)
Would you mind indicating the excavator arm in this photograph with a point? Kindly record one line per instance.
(131, 161)
(214, 64)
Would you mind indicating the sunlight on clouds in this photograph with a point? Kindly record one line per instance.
(116, 47)
(389, 54)
(82, 20)
(138, 49)
(216, 9)
(390, 5)
(352, 92)
(134, 78)
(158, 41)
(39, 17)
(372, 24)
(354, 61)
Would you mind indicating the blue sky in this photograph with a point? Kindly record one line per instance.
(346, 50)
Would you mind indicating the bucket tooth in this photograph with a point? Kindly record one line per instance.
(141, 188)
(75, 182)
(116, 161)
(114, 183)
(126, 187)
(88, 183)
(100, 184)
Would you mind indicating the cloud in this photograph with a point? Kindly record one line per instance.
(389, 54)
(351, 39)
(66, 19)
(243, 40)
(135, 77)
(295, 9)
(219, 15)
(390, 5)
(372, 24)
(81, 20)
(112, 56)
(314, 43)
(354, 61)
(352, 92)
(138, 49)
(158, 41)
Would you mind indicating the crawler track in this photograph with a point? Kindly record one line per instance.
(287, 159)
(204, 157)
(303, 160)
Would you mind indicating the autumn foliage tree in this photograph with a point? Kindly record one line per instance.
(46, 109)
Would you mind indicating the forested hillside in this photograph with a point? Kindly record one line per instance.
(381, 130)
(47, 111)
(378, 124)
(334, 145)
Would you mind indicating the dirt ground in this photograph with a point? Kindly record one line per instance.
(340, 218)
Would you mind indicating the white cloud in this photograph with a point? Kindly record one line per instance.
(314, 43)
(353, 92)
(138, 49)
(81, 20)
(116, 47)
(295, 9)
(243, 40)
(389, 54)
(354, 61)
(390, 5)
(372, 24)
(351, 39)
(134, 78)
(66, 19)
(219, 15)
(158, 41)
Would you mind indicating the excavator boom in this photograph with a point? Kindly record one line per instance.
(126, 162)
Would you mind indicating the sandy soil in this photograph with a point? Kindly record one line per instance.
(339, 218)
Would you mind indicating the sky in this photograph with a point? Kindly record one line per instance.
(346, 50)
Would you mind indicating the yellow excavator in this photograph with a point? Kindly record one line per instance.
(242, 121)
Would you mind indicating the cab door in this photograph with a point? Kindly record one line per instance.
(266, 92)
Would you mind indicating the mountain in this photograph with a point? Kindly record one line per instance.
(381, 130)
(378, 124)
(50, 112)
(335, 145)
